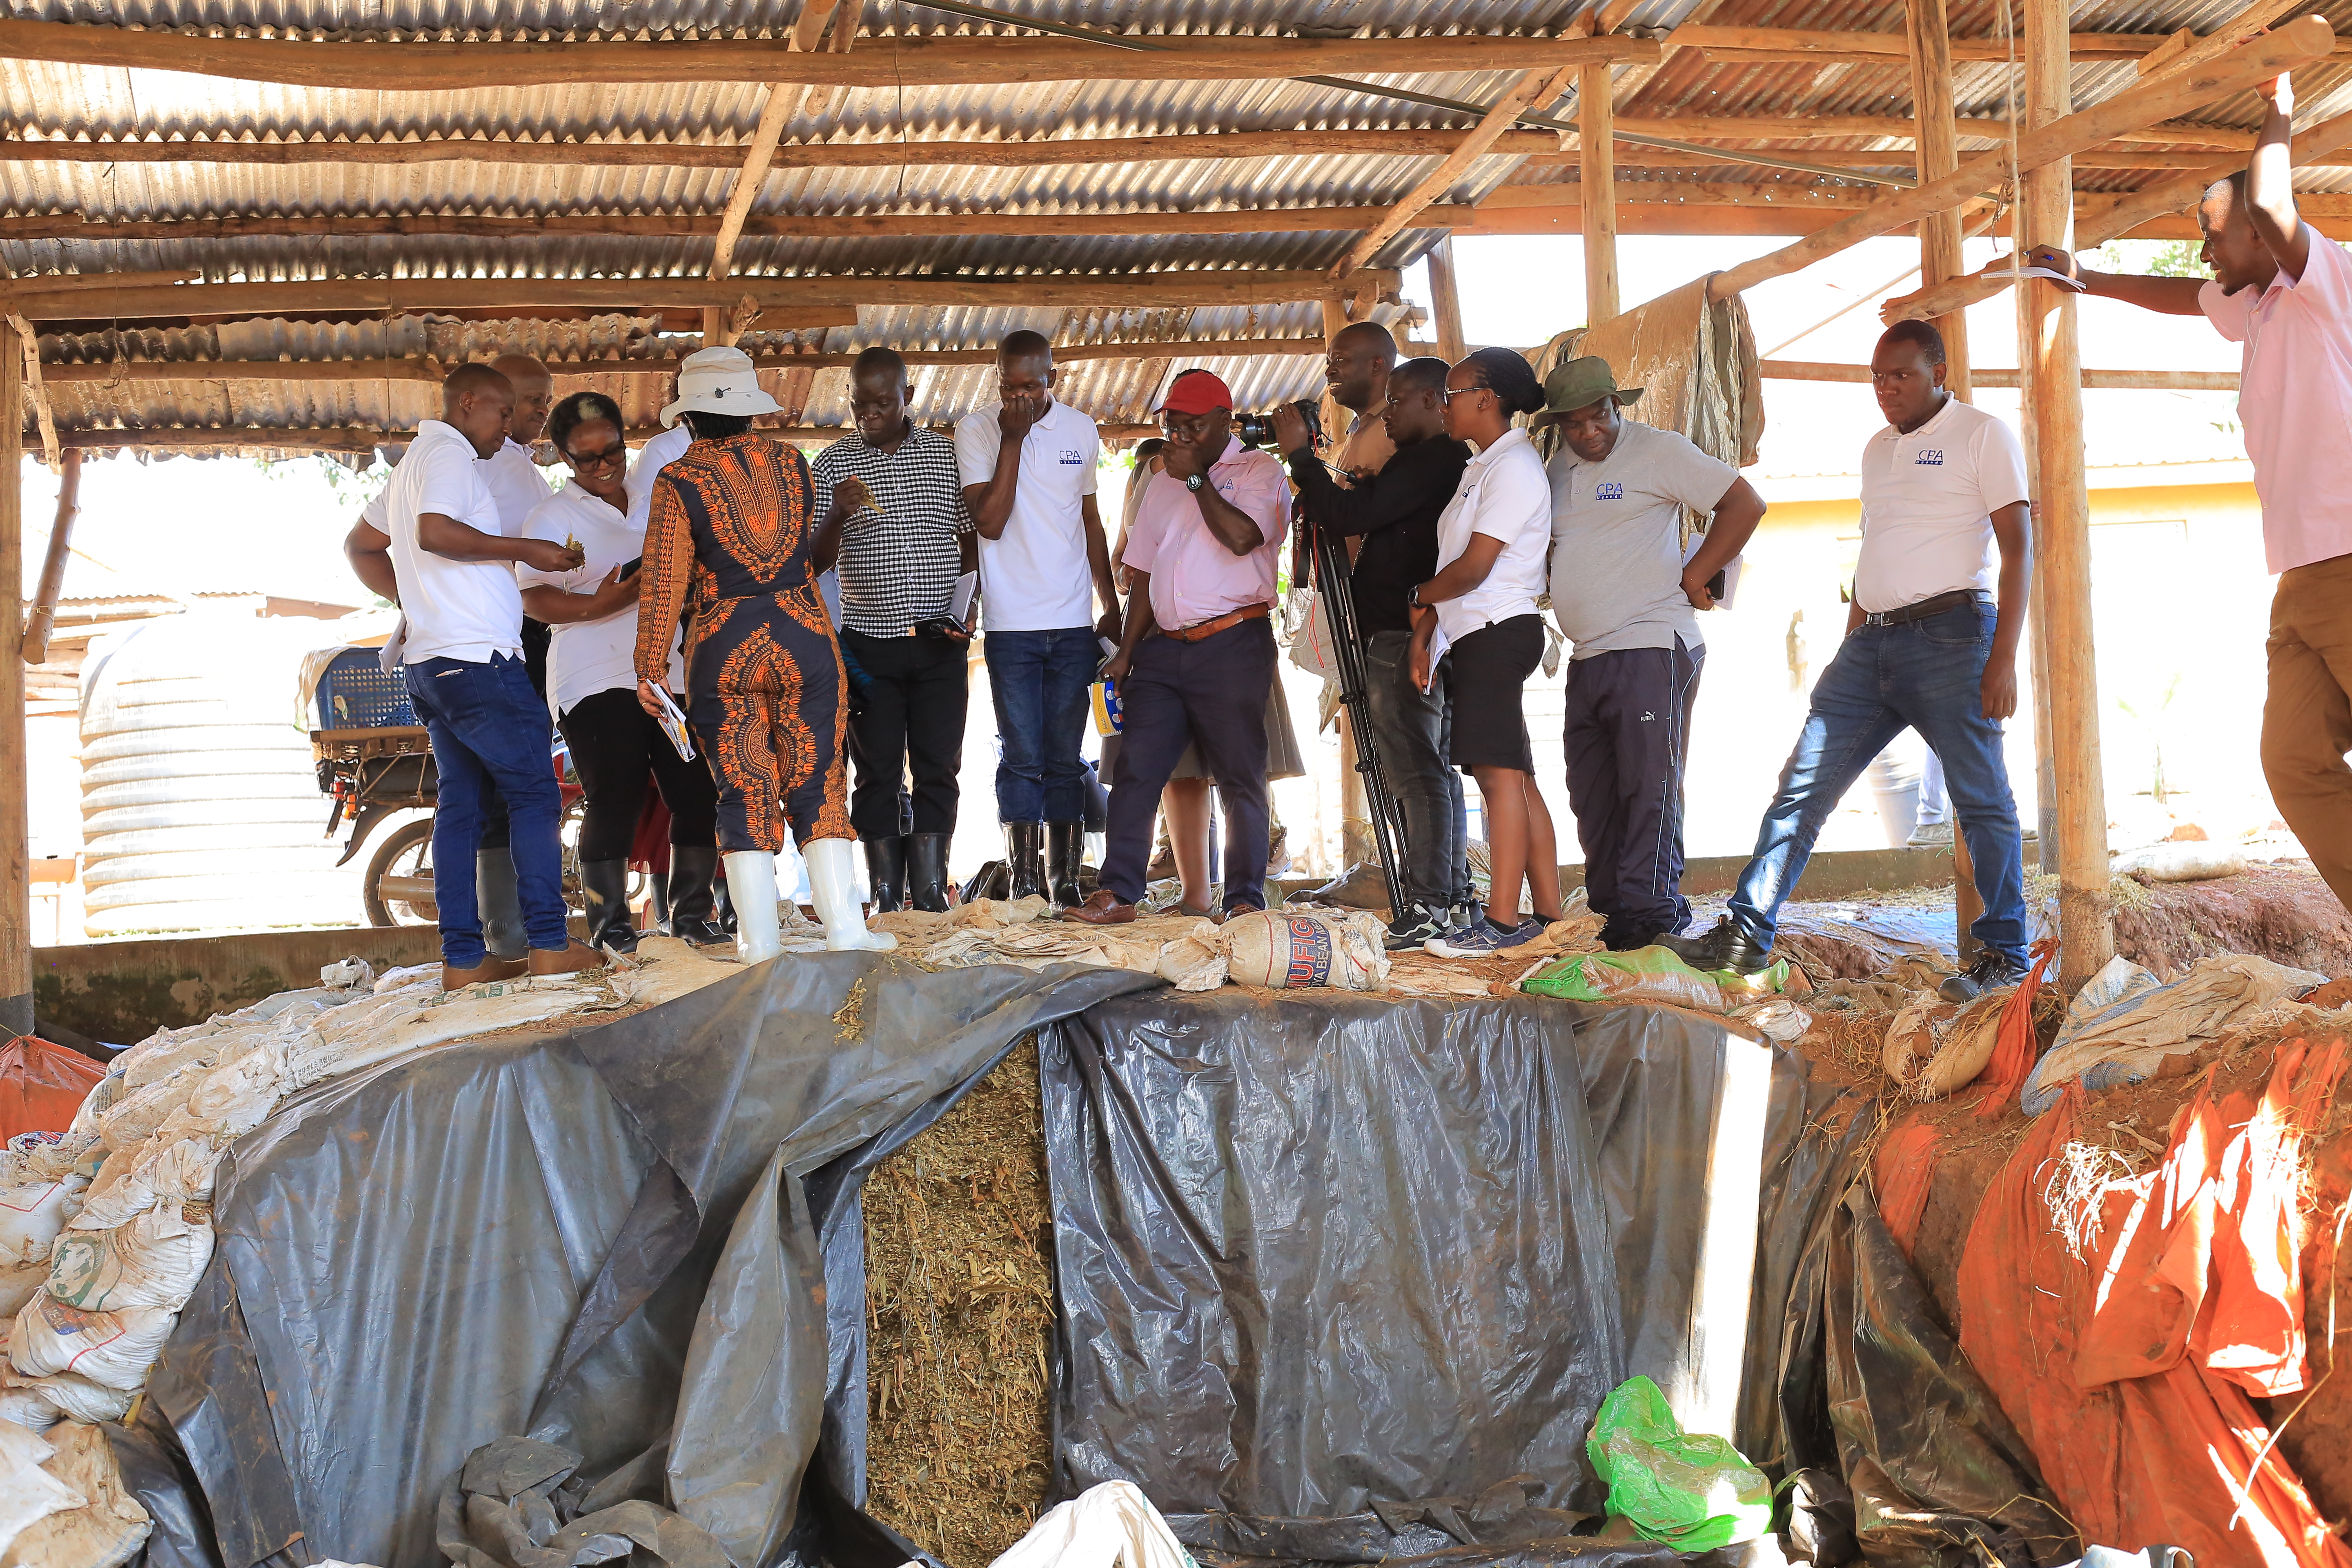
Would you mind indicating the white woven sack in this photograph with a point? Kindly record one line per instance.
(32, 1215)
(117, 1349)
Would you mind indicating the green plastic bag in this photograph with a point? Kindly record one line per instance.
(1653, 975)
(1692, 1491)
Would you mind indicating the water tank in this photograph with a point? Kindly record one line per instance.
(201, 810)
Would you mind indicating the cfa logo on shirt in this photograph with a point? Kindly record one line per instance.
(1929, 458)
(1611, 491)
(1072, 459)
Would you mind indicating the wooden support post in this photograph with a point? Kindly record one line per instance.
(1596, 112)
(2063, 525)
(43, 613)
(15, 870)
(1445, 301)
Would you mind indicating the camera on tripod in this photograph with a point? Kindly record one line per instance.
(1257, 429)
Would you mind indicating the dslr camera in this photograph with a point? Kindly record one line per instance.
(1257, 429)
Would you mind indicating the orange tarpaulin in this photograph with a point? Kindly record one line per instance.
(2128, 1368)
(41, 1086)
(1904, 1170)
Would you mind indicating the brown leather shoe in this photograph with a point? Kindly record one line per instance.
(491, 968)
(1102, 908)
(571, 960)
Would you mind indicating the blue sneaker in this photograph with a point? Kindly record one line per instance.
(1483, 939)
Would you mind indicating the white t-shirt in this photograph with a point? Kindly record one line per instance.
(1504, 495)
(655, 455)
(517, 487)
(1036, 578)
(1928, 500)
(1617, 535)
(467, 610)
(584, 657)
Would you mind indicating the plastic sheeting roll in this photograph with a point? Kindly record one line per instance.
(201, 809)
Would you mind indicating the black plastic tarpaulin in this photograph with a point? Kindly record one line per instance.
(605, 1239)
(1320, 1254)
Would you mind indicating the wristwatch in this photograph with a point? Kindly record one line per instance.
(1412, 597)
(1195, 482)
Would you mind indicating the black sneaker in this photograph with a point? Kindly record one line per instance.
(1628, 942)
(1990, 972)
(1724, 946)
(1418, 925)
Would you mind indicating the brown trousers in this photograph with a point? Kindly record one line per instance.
(2308, 720)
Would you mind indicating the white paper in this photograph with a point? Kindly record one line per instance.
(674, 725)
(1438, 643)
(960, 606)
(395, 650)
(1730, 571)
(2045, 274)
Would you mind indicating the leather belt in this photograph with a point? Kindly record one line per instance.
(1225, 622)
(1923, 608)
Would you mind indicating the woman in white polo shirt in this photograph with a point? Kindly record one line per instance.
(591, 683)
(1492, 544)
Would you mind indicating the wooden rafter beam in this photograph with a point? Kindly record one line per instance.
(1812, 46)
(1537, 88)
(1834, 127)
(808, 28)
(2295, 44)
(2166, 61)
(2093, 380)
(786, 303)
(832, 226)
(44, 420)
(2108, 156)
(2313, 147)
(359, 440)
(917, 61)
(120, 373)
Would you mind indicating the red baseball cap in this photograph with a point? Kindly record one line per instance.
(1195, 391)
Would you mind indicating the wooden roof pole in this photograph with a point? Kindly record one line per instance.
(2303, 39)
(2052, 357)
(1929, 28)
(1535, 87)
(2168, 197)
(16, 872)
(1596, 108)
(44, 419)
(2166, 61)
(42, 614)
(1445, 301)
(784, 102)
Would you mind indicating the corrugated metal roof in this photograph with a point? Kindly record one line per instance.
(45, 100)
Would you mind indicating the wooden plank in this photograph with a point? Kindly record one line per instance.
(16, 886)
(2061, 512)
(830, 225)
(2298, 41)
(2093, 380)
(786, 302)
(1535, 87)
(1819, 46)
(1837, 127)
(2167, 59)
(1929, 32)
(1445, 301)
(1596, 108)
(914, 61)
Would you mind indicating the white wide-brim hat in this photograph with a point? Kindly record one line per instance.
(718, 381)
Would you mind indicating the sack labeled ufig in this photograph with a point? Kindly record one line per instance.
(1283, 951)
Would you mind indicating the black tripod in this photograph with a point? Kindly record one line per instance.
(1338, 599)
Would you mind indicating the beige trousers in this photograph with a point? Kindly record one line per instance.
(2307, 719)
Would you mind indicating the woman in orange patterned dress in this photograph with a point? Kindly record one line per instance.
(728, 538)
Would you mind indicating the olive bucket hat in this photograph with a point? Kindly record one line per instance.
(1580, 384)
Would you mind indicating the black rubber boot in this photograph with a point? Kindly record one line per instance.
(1066, 846)
(1724, 946)
(606, 884)
(1025, 852)
(692, 870)
(927, 872)
(885, 873)
(500, 903)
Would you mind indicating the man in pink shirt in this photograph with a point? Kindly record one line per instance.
(1196, 656)
(2284, 292)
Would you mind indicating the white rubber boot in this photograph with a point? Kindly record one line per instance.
(751, 889)
(832, 883)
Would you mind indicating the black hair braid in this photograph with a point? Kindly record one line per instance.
(581, 408)
(1512, 378)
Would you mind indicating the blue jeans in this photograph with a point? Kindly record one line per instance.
(1925, 675)
(486, 725)
(1038, 681)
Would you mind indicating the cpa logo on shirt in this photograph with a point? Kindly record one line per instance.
(1071, 459)
(1929, 458)
(1611, 491)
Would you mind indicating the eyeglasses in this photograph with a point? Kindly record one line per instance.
(616, 453)
(1453, 393)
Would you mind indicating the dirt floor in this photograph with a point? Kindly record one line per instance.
(2283, 913)
(960, 1303)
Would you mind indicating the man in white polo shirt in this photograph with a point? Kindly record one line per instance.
(2284, 292)
(1928, 646)
(1028, 468)
(454, 571)
(517, 489)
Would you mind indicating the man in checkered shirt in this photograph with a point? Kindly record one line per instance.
(899, 535)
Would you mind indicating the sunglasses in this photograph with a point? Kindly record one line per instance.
(616, 453)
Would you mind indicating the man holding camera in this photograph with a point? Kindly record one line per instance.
(1395, 513)
(899, 535)
(1203, 555)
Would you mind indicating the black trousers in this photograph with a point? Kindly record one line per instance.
(1212, 693)
(615, 744)
(908, 697)
(1628, 735)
